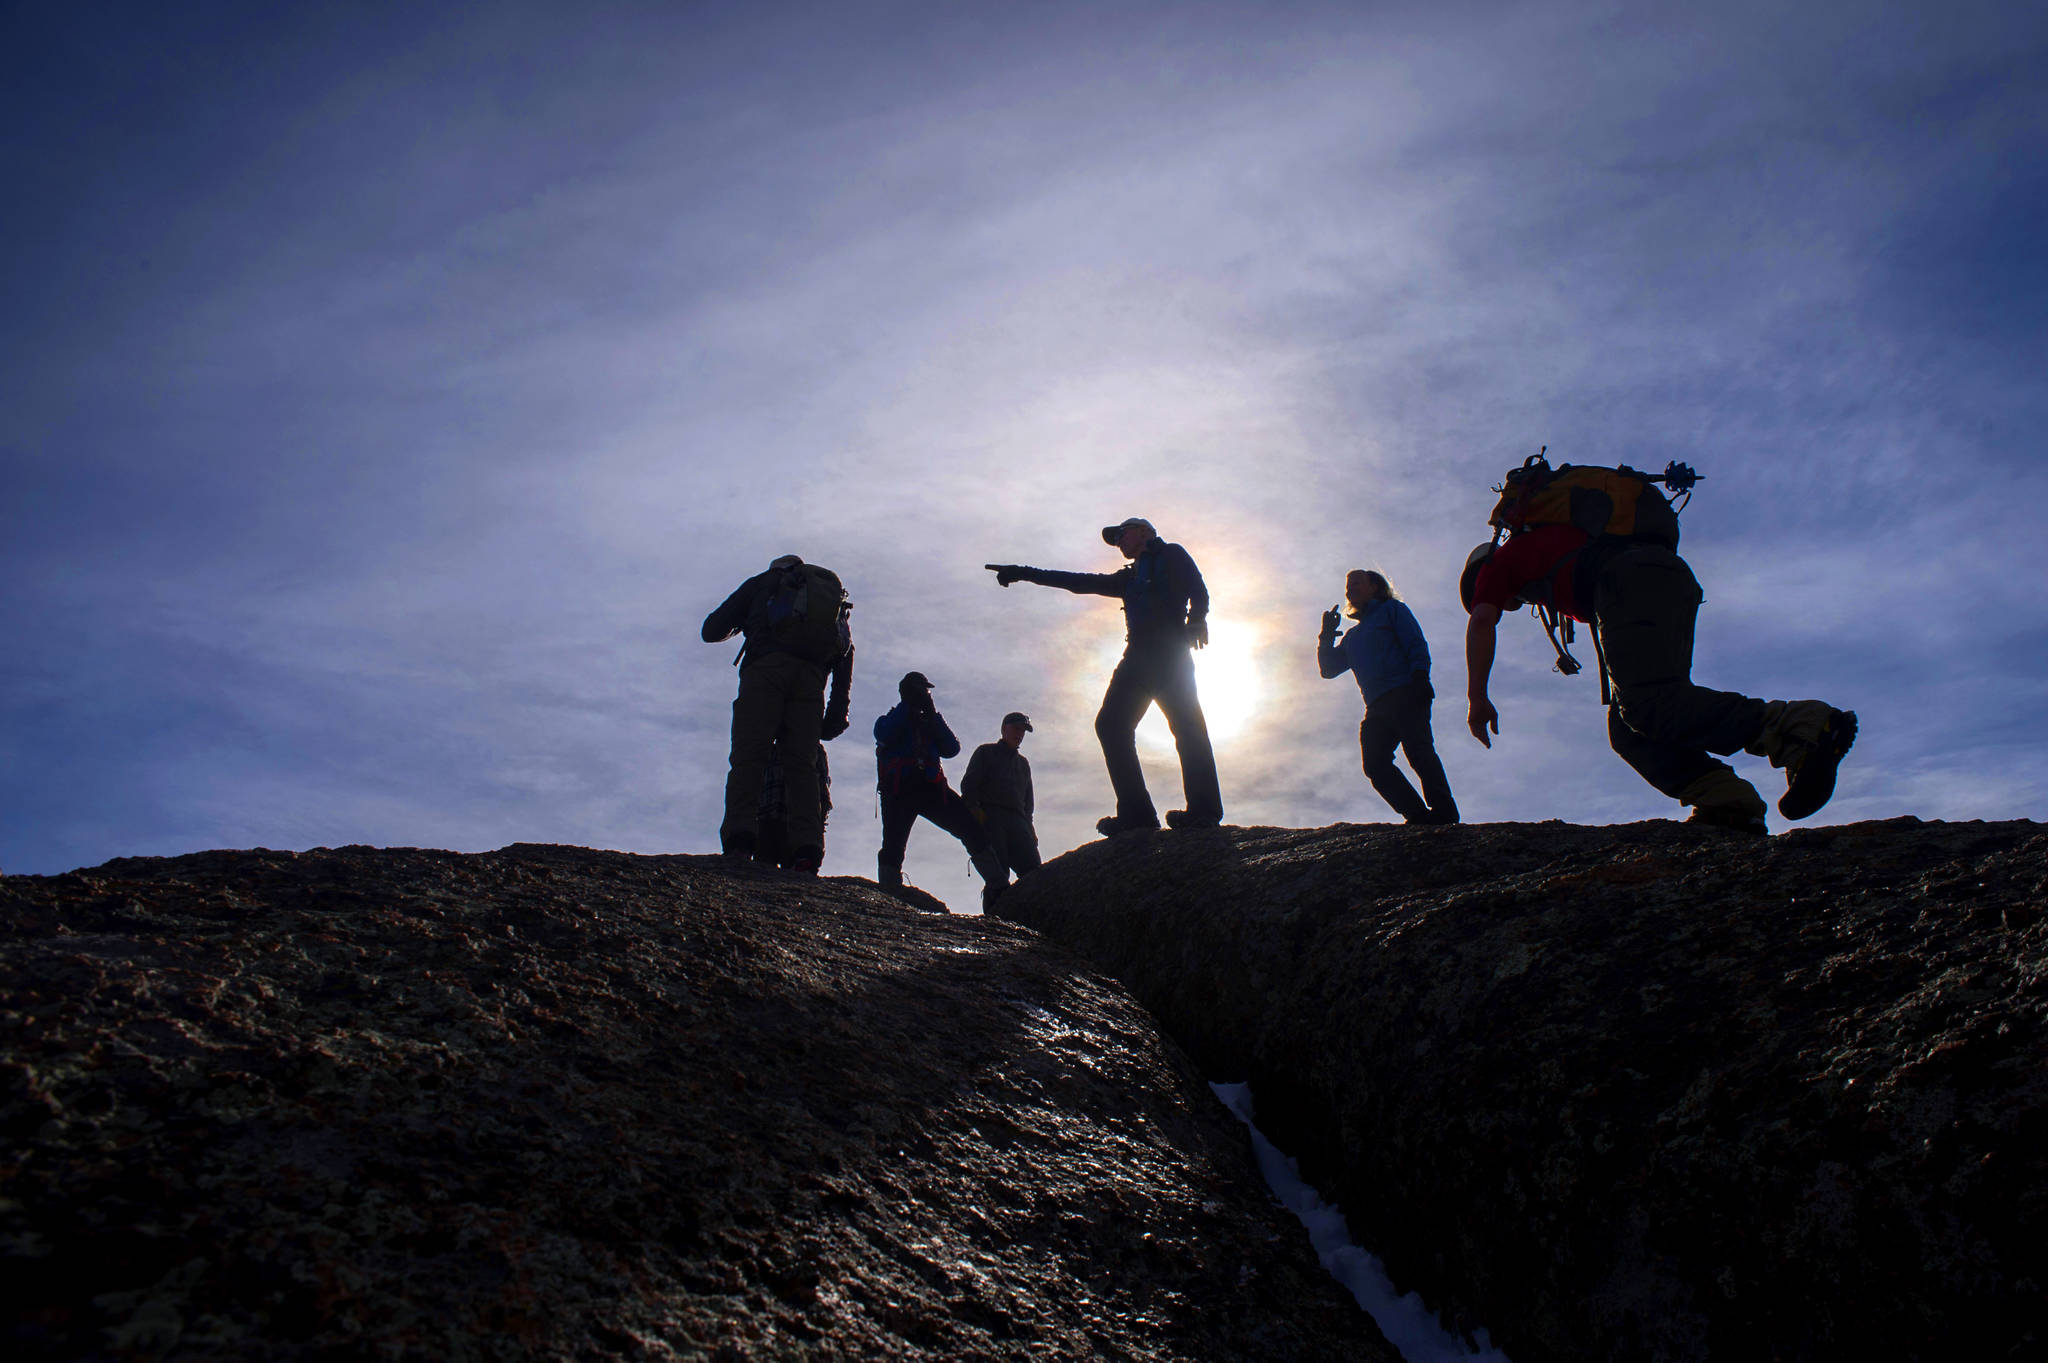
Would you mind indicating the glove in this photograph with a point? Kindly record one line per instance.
(1331, 619)
(1006, 573)
(1198, 634)
(835, 725)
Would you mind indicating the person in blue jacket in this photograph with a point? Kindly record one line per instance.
(910, 741)
(1385, 650)
(1166, 613)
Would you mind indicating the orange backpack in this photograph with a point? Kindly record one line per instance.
(1618, 503)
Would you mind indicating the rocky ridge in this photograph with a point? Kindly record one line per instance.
(554, 1103)
(1648, 1092)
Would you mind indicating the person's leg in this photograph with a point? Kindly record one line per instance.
(1647, 606)
(1116, 725)
(756, 719)
(898, 813)
(1379, 733)
(1662, 724)
(1183, 707)
(944, 807)
(1418, 745)
(803, 717)
(1020, 852)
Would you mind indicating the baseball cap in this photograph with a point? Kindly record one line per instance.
(1112, 533)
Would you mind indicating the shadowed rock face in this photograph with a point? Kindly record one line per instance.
(552, 1102)
(1646, 1092)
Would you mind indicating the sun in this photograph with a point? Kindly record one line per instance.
(1227, 680)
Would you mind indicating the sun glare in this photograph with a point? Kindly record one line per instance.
(1226, 678)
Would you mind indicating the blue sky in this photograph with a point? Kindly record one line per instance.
(389, 393)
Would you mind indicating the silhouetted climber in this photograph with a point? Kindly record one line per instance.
(910, 742)
(795, 617)
(997, 789)
(1599, 546)
(1385, 650)
(1166, 612)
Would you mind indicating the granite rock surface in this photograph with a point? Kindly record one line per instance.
(1646, 1092)
(555, 1103)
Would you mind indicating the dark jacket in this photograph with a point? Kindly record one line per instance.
(1162, 592)
(1385, 649)
(731, 616)
(997, 777)
(908, 746)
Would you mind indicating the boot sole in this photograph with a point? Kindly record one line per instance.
(1814, 784)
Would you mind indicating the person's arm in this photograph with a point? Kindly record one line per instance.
(1330, 659)
(972, 782)
(886, 727)
(731, 616)
(1197, 592)
(1082, 584)
(1479, 645)
(941, 735)
(842, 697)
(1408, 633)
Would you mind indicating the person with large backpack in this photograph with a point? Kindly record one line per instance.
(1386, 652)
(911, 742)
(1599, 546)
(796, 618)
(1166, 613)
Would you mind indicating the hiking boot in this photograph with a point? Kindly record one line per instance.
(1187, 818)
(1724, 800)
(1810, 769)
(1110, 825)
(806, 862)
(737, 847)
(1789, 727)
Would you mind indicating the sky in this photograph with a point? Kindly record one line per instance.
(388, 392)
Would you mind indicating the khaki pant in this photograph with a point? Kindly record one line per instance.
(1661, 723)
(779, 693)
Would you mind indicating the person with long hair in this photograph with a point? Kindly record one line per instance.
(1386, 652)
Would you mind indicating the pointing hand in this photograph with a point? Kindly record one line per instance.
(1006, 573)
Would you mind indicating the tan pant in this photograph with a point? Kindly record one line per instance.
(779, 693)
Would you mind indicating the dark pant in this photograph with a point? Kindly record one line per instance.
(938, 802)
(1012, 839)
(1400, 718)
(779, 694)
(1662, 724)
(1164, 673)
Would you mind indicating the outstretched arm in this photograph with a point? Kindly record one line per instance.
(1085, 584)
(1479, 645)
